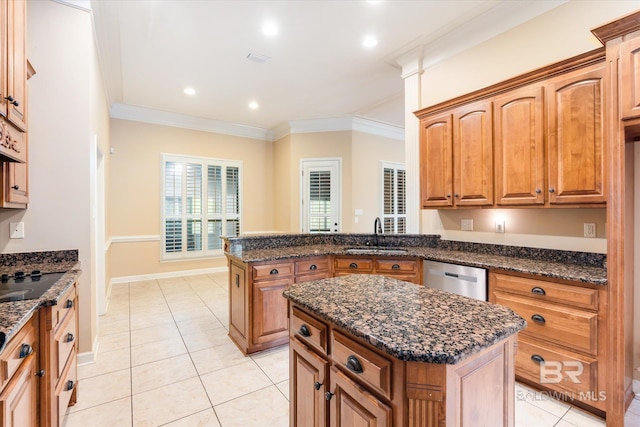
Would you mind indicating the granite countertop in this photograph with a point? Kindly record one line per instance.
(14, 314)
(407, 321)
(539, 267)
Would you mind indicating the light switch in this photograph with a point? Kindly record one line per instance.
(500, 226)
(466, 224)
(16, 230)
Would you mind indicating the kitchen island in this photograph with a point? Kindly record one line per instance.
(368, 348)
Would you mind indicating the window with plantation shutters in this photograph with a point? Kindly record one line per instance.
(320, 195)
(394, 207)
(201, 203)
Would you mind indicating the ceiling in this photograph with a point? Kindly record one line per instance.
(151, 50)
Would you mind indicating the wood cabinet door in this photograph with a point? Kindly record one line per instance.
(269, 310)
(17, 63)
(18, 401)
(630, 70)
(575, 106)
(16, 183)
(307, 386)
(436, 161)
(237, 298)
(473, 154)
(519, 147)
(352, 405)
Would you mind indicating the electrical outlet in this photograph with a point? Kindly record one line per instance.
(16, 230)
(466, 224)
(500, 226)
(589, 229)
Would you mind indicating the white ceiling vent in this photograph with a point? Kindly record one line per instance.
(256, 57)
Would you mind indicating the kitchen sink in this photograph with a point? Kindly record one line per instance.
(376, 250)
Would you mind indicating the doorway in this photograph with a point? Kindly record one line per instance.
(320, 195)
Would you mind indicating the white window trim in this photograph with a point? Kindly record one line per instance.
(320, 161)
(205, 162)
(396, 166)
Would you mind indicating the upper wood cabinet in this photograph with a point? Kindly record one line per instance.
(519, 147)
(630, 70)
(436, 161)
(575, 136)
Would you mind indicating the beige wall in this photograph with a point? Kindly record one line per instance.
(134, 194)
(62, 118)
(283, 184)
(368, 151)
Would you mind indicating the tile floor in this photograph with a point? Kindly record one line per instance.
(165, 360)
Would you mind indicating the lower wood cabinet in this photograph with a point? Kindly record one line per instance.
(407, 269)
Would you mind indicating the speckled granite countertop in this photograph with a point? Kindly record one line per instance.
(14, 314)
(407, 321)
(575, 266)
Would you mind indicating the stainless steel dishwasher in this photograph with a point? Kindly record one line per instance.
(458, 279)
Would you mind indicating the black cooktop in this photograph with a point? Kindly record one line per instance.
(24, 286)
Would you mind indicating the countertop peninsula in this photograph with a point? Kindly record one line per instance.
(407, 321)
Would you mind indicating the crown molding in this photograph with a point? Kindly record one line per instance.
(331, 124)
(84, 5)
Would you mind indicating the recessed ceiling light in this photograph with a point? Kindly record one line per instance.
(369, 41)
(253, 105)
(269, 29)
(189, 91)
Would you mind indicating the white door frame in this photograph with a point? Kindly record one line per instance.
(98, 225)
(319, 162)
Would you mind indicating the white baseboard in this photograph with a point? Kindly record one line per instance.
(89, 357)
(154, 276)
(636, 387)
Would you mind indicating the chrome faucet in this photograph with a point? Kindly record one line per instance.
(377, 228)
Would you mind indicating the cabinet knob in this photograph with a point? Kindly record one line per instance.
(538, 319)
(395, 267)
(69, 304)
(11, 100)
(40, 373)
(328, 395)
(304, 331)
(537, 358)
(274, 271)
(15, 187)
(538, 291)
(313, 267)
(317, 385)
(448, 196)
(353, 265)
(456, 195)
(25, 350)
(69, 338)
(552, 190)
(70, 385)
(538, 191)
(353, 364)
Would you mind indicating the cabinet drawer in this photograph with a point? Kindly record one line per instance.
(547, 291)
(65, 304)
(315, 276)
(65, 340)
(312, 265)
(354, 264)
(65, 388)
(272, 271)
(400, 266)
(309, 330)
(566, 326)
(367, 366)
(20, 346)
(556, 368)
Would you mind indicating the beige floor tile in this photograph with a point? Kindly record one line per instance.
(116, 413)
(542, 400)
(266, 407)
(102, 389)
(229, 383)
(146, 321)
(198, 324)
(114, 341)
(107, 361)
(113, 324)
(202, 419)
(528, 415)
(634, 408)
(185, 314)
(631, 420)
(154, 333)
(207, 339)
(161, 373)
(218, 357)
(284, 388)
(580, 418)
(274, 363)
(169, 403)
(157, 350)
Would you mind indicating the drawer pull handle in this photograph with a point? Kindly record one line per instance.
(69, 338)
(237, 280)
(25, 350)
(353, 364)
(395, 267)
(317, 385)
(69, 304)
(353, 265)
(538, 291)
(538, 319)
(70, 385)
(537, 358)
(40, 373)
(313, 267)
(304, 331)
(328, 395)
(274, 271)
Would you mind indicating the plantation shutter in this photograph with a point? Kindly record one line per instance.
(319, 201)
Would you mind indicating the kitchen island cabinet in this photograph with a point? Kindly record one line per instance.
(372, 350)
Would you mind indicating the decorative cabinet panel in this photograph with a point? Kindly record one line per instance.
(308, 383)
(519, 147)
(575, 137)
(436, 161)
